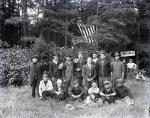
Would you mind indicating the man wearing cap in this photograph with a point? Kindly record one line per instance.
(35, 72)
(55, 69)
(117, 69)
(108, 93)
(131, 68)
(78, 65)
(103, 70)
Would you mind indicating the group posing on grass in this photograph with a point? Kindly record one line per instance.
(92, 80)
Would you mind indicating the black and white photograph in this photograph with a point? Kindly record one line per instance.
(74, 58)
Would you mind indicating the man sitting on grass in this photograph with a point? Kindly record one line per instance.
(107, 93)
(59, 91)
(123, 93)
(45, 87)
(93, 93)
(76, 91)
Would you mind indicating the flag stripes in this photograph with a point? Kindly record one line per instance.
(87, 32)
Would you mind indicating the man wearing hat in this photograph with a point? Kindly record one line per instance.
(103, 70)
(35, 72)
(117, 69)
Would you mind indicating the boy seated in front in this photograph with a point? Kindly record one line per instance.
(123, 93)
(108, 93)
(60, 93)
(93, 93)
(140, 76)
(45, 87)
(76, 91)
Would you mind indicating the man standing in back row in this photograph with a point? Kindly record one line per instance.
(55, 69)
(103, 70)
(117, 70)
(35, 71)
(89, 74)
(78, 65)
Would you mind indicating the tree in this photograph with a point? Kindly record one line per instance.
(112, 24)
(58, 15)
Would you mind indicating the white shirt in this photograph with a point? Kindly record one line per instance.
(43, 87)
(55, 61)
(95, 60)
(89, 65)
(131, 65)
(93, 90)
(140, 77)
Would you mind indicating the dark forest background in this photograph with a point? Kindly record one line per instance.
(122, 25)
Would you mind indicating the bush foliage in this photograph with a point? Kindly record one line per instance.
(15, 62)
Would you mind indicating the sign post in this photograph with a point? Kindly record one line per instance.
(127, 53)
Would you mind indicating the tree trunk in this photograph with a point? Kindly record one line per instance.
(25, 17)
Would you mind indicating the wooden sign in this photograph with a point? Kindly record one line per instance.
(127, 53)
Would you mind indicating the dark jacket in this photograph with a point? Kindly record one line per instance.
(35, 74)
(123, 92)
(77, 65)
(68, 70)
(88, 73)
(97, 67)
(105, 70)
(54, 71)
(76, 91)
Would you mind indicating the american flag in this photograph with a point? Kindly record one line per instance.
(87, 32)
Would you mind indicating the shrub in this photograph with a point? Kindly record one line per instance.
(16, 61)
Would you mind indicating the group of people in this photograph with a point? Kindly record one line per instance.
(92, 79)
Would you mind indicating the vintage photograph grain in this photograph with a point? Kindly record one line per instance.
(74, 58)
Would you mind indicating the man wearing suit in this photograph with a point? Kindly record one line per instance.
(55, 69)
(95, 62)
(95, 58)
(78, 65)
(89, 74)
(35, 71)
(103, 70)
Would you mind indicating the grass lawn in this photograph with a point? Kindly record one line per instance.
(18, 103)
